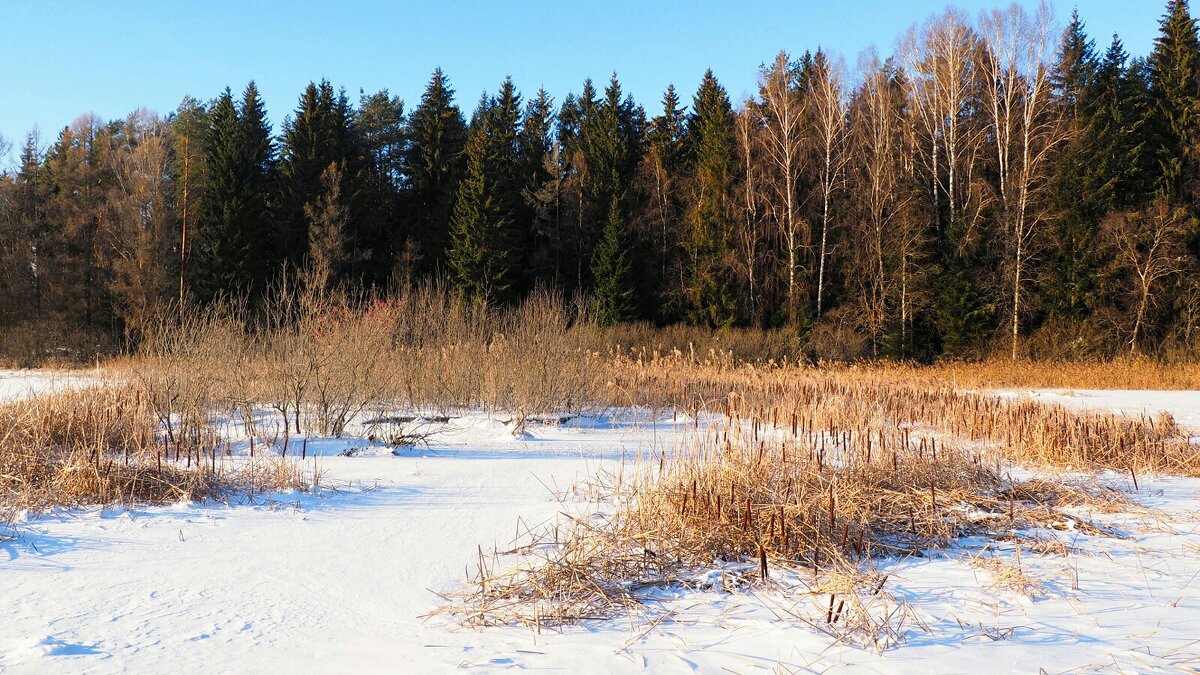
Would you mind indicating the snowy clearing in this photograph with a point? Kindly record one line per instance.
(339, 580)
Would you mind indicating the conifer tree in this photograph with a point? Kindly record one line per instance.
(1175, 87)
(612, 145)
(664, 164)
(1072, 274)
(613, 293)
(379, 121)
(485, 256)
(479, 254)
(710, 130)
(231, 236)
(321, 132)
(433, 161)
(189, 126)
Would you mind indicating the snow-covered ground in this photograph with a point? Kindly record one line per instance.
(1184, 406)
(339, 581)
(23, 383)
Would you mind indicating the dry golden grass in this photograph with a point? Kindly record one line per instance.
(1123, 373)
(819, 470)
(101, 446)
(876, 408)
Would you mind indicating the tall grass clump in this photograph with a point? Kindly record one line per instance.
(102, 445)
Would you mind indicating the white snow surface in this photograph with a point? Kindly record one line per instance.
(339, 581)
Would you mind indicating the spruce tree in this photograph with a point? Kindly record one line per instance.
(486, 257)
(709, 240)
(538, 227)
(664, 164)
(321, 132)
(479, 254)
(612, 146)
(230, 241)
(1072, 274)
(1175, 87)
(380, 124)
(613, 292)
(433, 161)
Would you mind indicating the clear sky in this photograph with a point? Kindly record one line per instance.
(59, 59)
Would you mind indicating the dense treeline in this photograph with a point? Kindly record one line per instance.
(995, 186)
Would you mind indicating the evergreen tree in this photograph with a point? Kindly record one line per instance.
(326, 218)
(380, 124)
(612, 146)
(320, 133)
(537, 225)
(433, 161)
(485, 255)
(190, 126)
(479, 255)
(664, 165)
(1072, 274)
(231, 237)
(1120, 170)
(23, 234)
(1175, 87)
(710, 130)
(613, 292)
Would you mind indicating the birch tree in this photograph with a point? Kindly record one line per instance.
(827, 123)
(782, 121)
(1025, 125)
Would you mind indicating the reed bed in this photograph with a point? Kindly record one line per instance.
(876, 408)
(795, 472)
(1130, 372)
(103, 445)
(798, 518)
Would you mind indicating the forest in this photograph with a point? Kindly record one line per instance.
(999, 186)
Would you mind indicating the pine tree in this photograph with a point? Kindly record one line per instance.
(433, 161)
(710, 130)
(190, 126)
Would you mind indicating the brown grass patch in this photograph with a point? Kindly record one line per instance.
(102, 445)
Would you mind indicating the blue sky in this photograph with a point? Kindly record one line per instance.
(59, 59)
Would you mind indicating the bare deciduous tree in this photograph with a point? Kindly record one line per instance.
(1149, 246)
(783, 138)
(876, 138)
(826, 110)
(941, 67)
(1025, 127)
(751, 241)
(138, 226)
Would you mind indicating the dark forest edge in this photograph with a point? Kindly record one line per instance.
(997, 188)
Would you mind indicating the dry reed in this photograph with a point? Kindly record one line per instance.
(102, 446)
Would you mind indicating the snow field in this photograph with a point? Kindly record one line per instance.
(340, 580)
